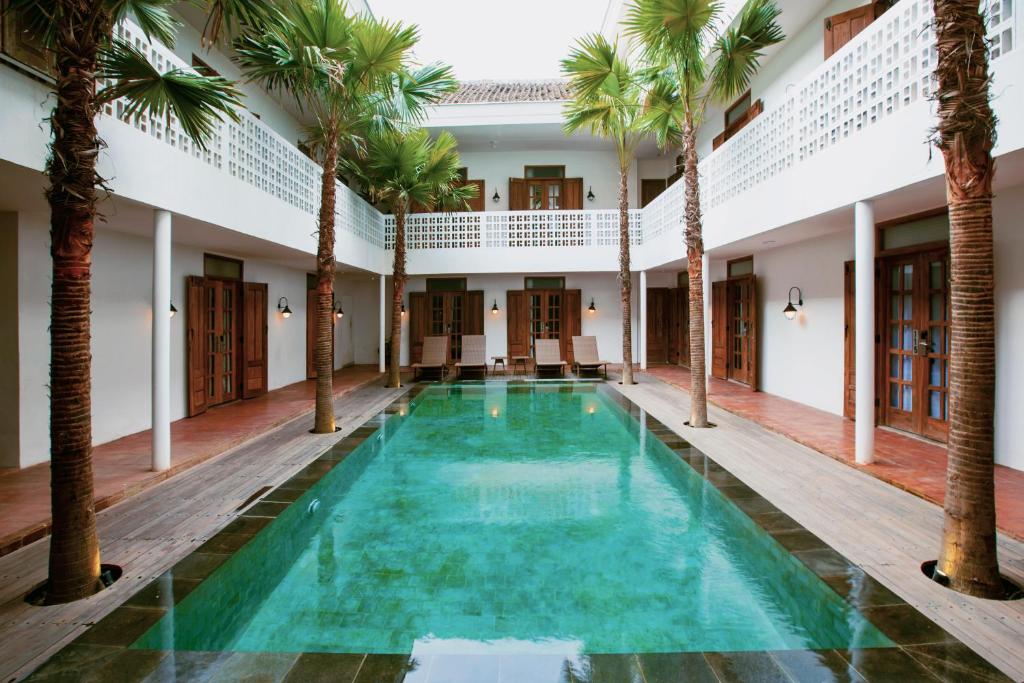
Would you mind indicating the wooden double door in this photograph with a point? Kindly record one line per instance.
(545, 194)
(226, 341)
(668, 325)
(450, 314)
(543, 314)
(734, 343)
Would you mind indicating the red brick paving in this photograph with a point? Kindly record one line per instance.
(121, 468)
(911, 464)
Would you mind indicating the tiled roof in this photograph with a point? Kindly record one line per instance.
(552, 90)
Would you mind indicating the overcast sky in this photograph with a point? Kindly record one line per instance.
(497, 40)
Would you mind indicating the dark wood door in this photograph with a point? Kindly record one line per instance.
(573, 322)
(545, 308)
(254, 339)
(518, 323)
(672, 310)
(545, 194)
(195, 310)
(719, 329)
(650, 188)
(450, 314)
(916, 361)
(222, 341)
(517, 197)
(841, 28)
(417, 322)
(683, 325)
(477, 203)
(657, 325)
(742, 329)
(572, 188)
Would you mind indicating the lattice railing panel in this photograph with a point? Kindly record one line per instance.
(250, 151)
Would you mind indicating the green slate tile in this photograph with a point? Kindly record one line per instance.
(676, 667)
(742, 667)
(956, 662)
(817, 666)
(319, 667)
(121, 627)
(98, 664)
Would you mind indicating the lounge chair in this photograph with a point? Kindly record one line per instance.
(435, 357)
(585, 356)
(548, 356)
(474, 354)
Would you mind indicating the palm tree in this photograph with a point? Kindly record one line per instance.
(966, 134)
(709, 66)
(608, 100)
(350, 72)
(80, 35)
(401, 168)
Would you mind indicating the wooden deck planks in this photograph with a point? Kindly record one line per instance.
(148, 533)
(885, 530)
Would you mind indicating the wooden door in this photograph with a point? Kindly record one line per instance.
(195, 310)
(683, 321)
(657, 325)
(672, 312)
(545, 310)
(417, 322)
(742, 329)
(517, 196)
(719, 330)
(915, 366)
(254, 340)
(849, 341)
(474, 312)
(518, 323)
(222, 341)
(841, 28)
(450, 314)
(573, 322)
(650, 188)
(477, 203)
(572, 188)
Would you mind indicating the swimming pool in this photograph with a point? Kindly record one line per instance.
(510, 518)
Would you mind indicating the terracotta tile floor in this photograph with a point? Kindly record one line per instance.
(121, 467)
(911, 464)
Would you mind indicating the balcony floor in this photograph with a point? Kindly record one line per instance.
(121, 468)
(912, 464)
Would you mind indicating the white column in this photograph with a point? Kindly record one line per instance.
(161, 361)
(381, 329)
(705, 267)
(643, 320)
(864, 323)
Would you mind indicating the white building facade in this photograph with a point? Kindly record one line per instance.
(818, 187)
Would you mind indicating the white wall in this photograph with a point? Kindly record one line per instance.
(599, 170)
(605, 323)
(1008, 208)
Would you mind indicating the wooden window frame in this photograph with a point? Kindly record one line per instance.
(526, 175)
(880, 229)
(740, 259)
(204, 69)
(428, 290)
(735, 105)
(754, 110)
(240, 262)
(527, 278)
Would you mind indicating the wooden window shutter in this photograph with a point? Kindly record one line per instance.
(573, 189)
(195, 341)
(517, 199)
(417, 321)
(719, 329)
(254, 339)
(518, 323)
(752, 341)
(474, 312)
(841, 28)
(572, 313)
(477, 203)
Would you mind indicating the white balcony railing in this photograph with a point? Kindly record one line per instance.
(503, 229)
(252, 152)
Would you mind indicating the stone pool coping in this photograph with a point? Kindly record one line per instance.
(923, 650)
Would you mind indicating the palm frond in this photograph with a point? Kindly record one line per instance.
(737, 52)
(224, 17)
(414, 90)
(37, 19)
(152, 16)
(379, 49)
(681, 29)
(197, 101)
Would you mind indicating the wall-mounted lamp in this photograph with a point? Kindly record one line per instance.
(282, 305)
(790, 310)
(591, 308)
(494, 307)
(403, 309)
(338, 313)
(590, 194)
(496, 198)
(173, 309)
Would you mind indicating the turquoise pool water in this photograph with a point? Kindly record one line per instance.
(495, 518)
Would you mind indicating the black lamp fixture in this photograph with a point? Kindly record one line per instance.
(590, 193)
(338, 313)
(790, 310)
(173, 309)
(282, 305)
(494, 307)
(591, 308)
(403, 309)
(496, 197)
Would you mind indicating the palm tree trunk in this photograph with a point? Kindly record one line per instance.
(398, 289)
(625, 281)
(74, 545)
(965, 136)
(323, 348)
(695, 268)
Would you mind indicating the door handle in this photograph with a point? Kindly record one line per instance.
(922, 343)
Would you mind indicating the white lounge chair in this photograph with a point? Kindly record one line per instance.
(548, 356)
(435, 357)
(585, 356)
(474, 354)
